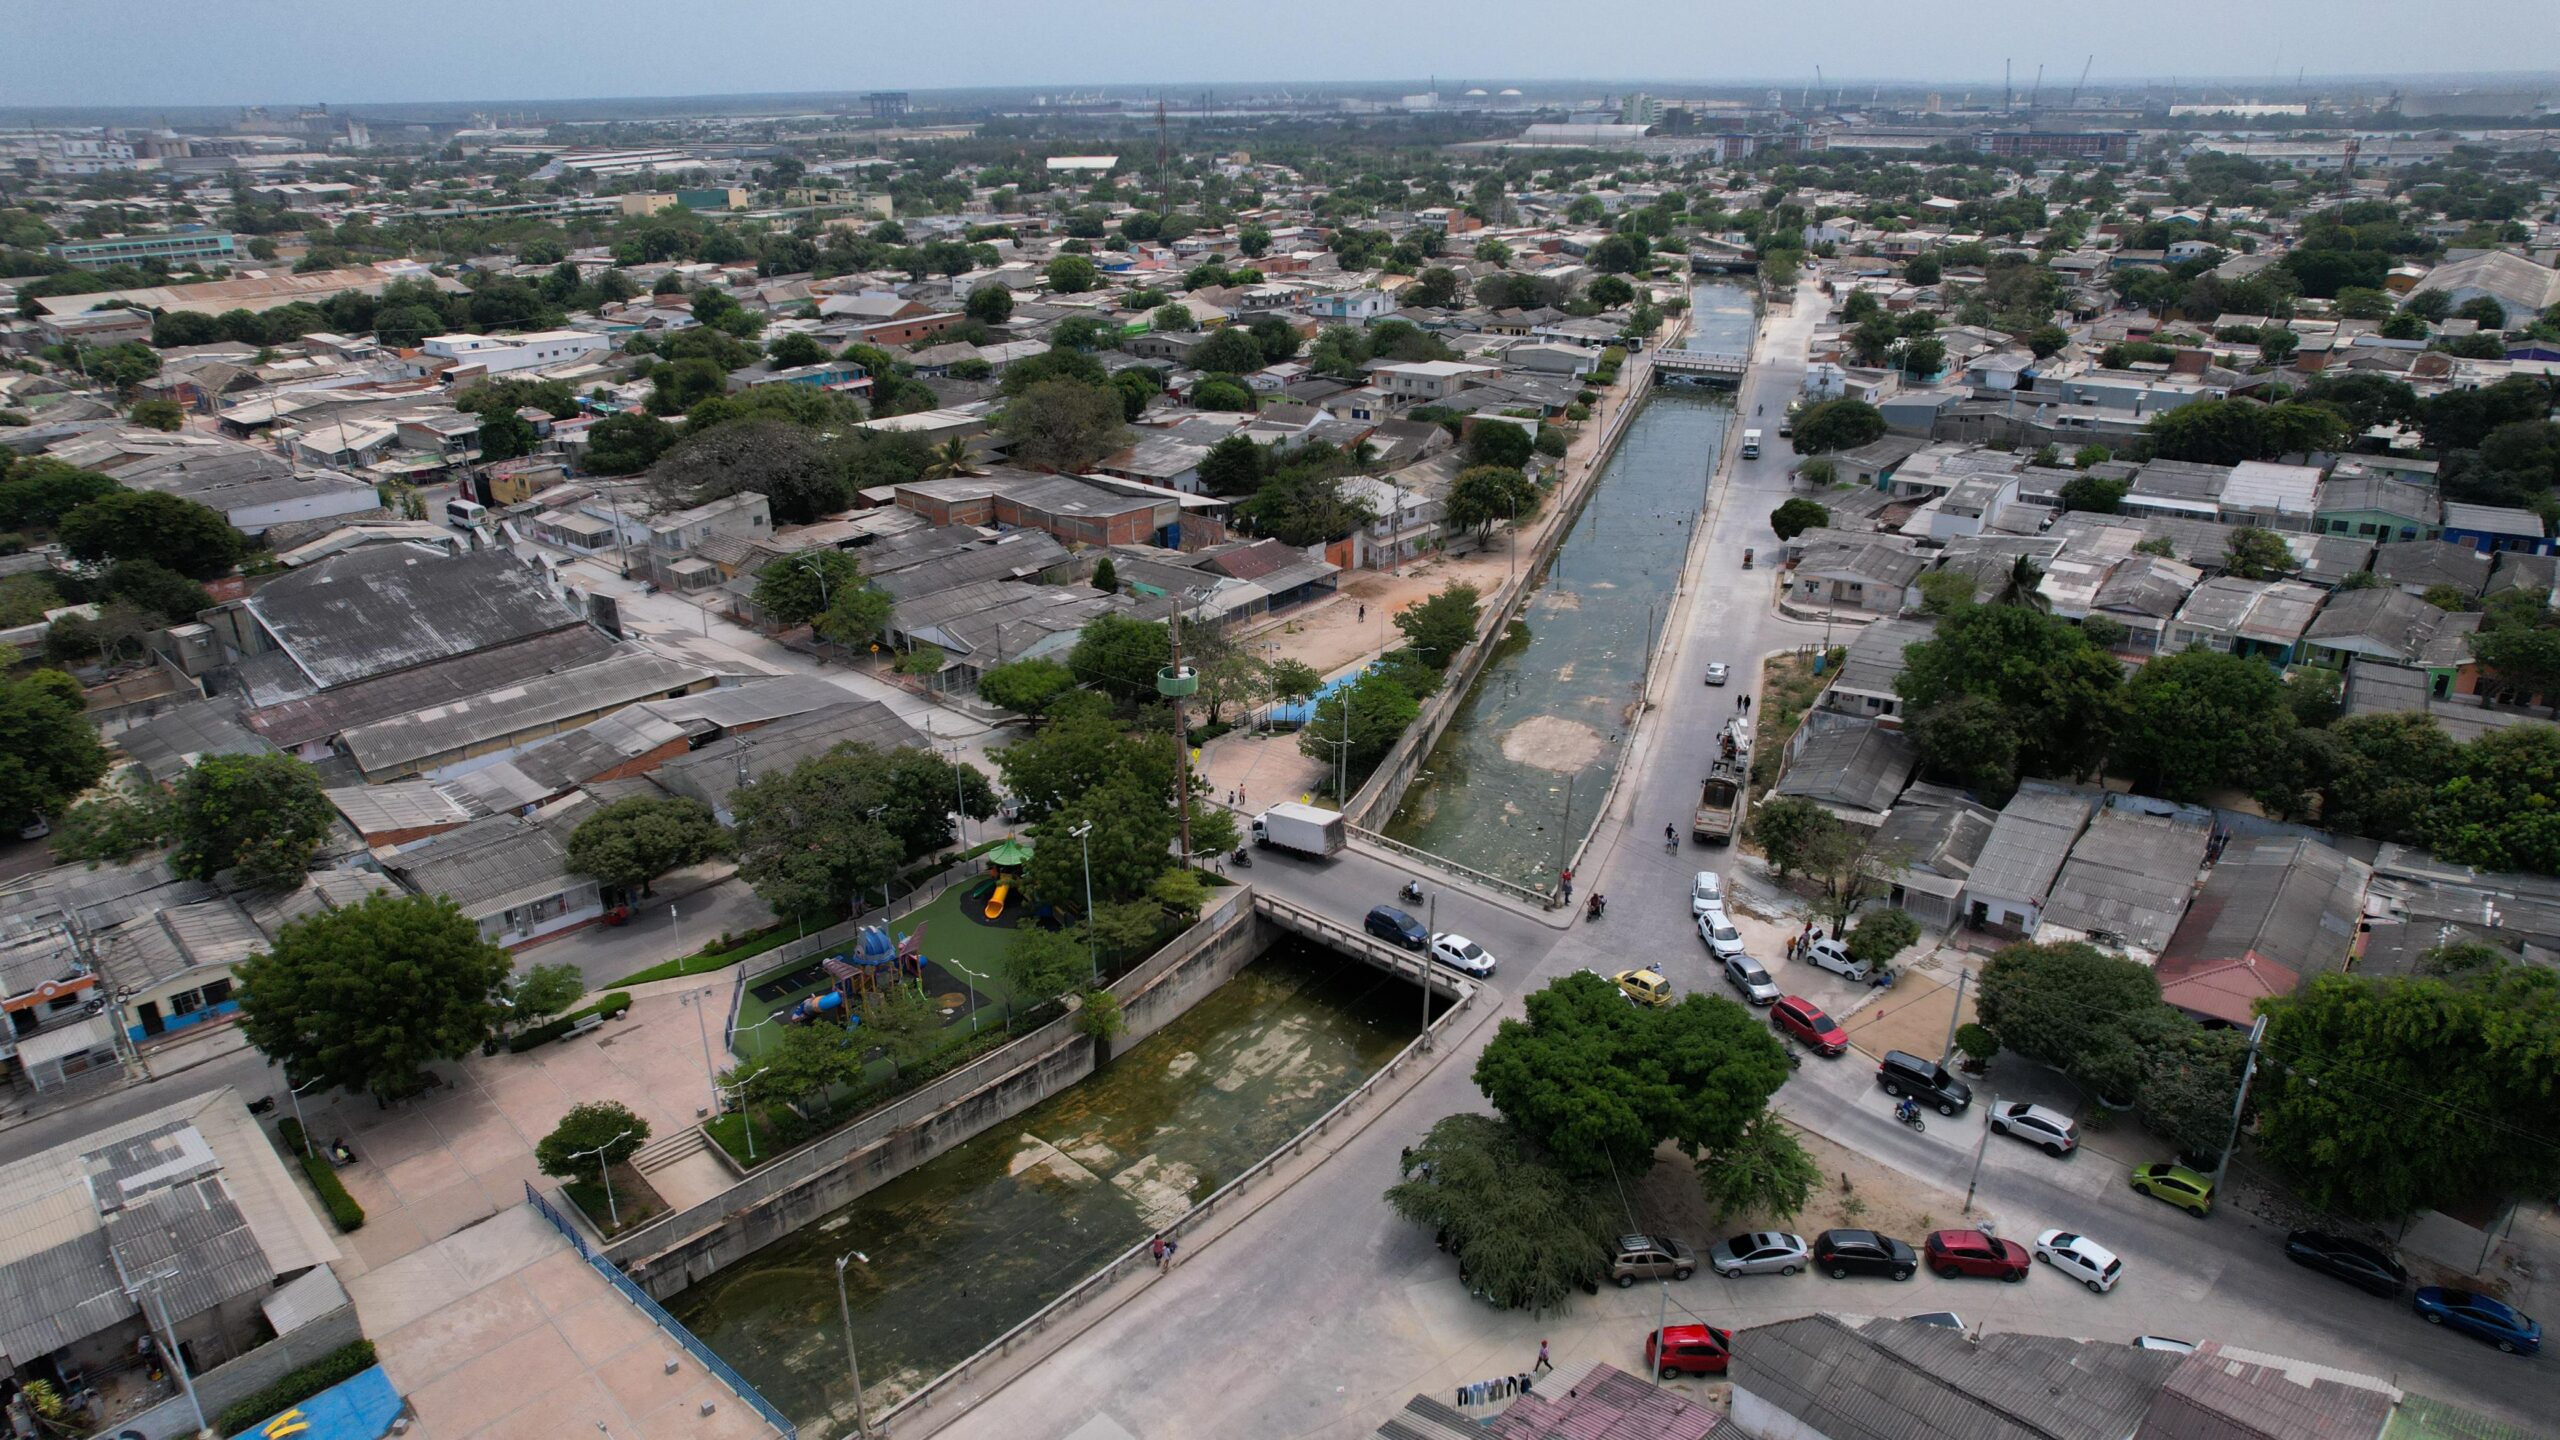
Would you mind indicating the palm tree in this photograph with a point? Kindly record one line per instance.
(949, 458)
(2021, 586)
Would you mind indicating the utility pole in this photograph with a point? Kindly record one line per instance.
(1177, 682)
(844, 1311)
(1953, 1016)
(2240, 1102)
(1422, 962)
(1979, 1146)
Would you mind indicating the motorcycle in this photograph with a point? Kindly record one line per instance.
(1597, 906)
(1912, 1119)
(264, 1104)
(1412, 891)
(1243, 858)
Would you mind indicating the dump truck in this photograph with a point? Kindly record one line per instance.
(1301, 829)
(1720, 801)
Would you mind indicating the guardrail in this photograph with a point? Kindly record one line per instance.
(1513, 888)
(1119, 1266)
(658, 1316)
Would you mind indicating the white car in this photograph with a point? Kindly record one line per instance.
(2050, 1130)
(2081, 1258)
(1718, 932)
(1831, 955)
(2164, 1344)
(1706, 892)
(1718, 672)
(1754, 982)
(1462, 954)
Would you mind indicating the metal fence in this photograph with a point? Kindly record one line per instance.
(1544, 898)
(719, 1368)
(1114, 1270)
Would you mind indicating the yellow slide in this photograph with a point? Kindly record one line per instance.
(995, 902)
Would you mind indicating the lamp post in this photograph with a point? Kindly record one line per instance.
(675, 923)
(695, 1000)
(959, 795)
(604, 1171)
(1083, 834)
(168, 1335)
(746, 1111)
(844, 1309)
(295, 1095)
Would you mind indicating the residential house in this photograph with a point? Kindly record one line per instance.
(435, 741)
(2419, 566)
(2127, 878)
(174, 967)
(2495, 529)
(2523, 288)
(1836, 1377)
(1934, 837)
(1864, 684)
(2279, 497)
(1350, 307)
(2274, 912)
(1875, 577)
(2378, 507)
(1161, 459)
(1075, 511)
(1428, 382)
(2265, 618)
(2015, 869)
(1855, 768)
(677, 540)
(2183, 489)
(2393, 627)
(509, 874)
(51, 993)
(1976, 503)
(469, 356)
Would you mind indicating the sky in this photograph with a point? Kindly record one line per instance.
(88, 52)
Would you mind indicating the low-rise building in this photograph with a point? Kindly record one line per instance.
(2128, 877)
(468, 354)
(2274, 912)
(2015, 869)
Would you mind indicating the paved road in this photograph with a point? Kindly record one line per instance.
(1322, 1312)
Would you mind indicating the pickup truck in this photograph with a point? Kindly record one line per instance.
(1301, 829)
(1720, 802)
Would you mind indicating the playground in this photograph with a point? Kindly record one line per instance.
(955, 945)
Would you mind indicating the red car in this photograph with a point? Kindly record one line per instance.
(1970, 1252)
(1794, 1015)
(1691, 1350)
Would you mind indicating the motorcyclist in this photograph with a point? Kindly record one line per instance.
(1596, 904)
(1907, 1111)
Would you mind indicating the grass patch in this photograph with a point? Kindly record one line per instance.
(1788, 688)
(634, 1198)
(710, 958)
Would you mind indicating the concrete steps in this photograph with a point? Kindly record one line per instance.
(660, 1154)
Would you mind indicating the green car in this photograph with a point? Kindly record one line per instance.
(2176, 1184)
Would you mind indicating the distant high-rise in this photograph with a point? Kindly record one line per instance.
(887, 104)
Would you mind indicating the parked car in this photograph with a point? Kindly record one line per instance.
(1690, 1350)
(1723, 941)
(2481, 1318)
(1650, 1257)
(1718, 672)
(2081, 1258)
(1460, 953)
(2176, 1184)
(1943, 1319)
(1645, 987)
(1706, 892)
(1794, 1015)
(1397, 928)
(1747, 976)
(1761, 1252)
(2164, 1344)
(1903, 1073)
(2358, 1264)
(2050, 1130)
(1829, 954)
(1843, 1253)
(1970, 1252)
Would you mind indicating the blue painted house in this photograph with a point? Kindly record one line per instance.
(2495, 529)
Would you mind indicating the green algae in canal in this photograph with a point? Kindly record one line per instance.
(966, 1246)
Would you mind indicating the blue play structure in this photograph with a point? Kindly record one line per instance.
(875, 962)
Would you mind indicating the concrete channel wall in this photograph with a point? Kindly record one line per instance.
(777, 1198)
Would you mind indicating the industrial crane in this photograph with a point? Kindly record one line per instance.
(2084, 79)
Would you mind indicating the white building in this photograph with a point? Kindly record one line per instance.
(499, 354)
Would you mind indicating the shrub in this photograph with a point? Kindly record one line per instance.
(342, 1207)
(289, 1130)
(1978, 1044)
(334, 1368)
(609, 1005)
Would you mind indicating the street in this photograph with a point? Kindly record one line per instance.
(1349, 1310)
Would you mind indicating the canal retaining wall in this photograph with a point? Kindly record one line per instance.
(779, 1197)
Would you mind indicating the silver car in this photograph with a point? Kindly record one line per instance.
(1751, 980)
(1718, 672)
(1762, 1252)
(1718, 932)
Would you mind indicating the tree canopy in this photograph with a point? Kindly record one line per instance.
(631, 842)
(1441, 626)
(1837, 425)
(1526, 1235)
(2059, 691)
(49, 750)
(593, 1136)
(366, 996)
(261, 815)
(833, 828)
(176, 534)
(1063, 425)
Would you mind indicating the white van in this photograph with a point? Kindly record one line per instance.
(465, 514)
(1750, 444)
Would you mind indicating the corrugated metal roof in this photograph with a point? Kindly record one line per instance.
(305, 718)
(1605, 1404)
(392, 745)
(369, 612)
(305, 1300)
(713, 772)
(2030, 839)
(2225, 1393)
(2132, 872)
(1901, 1380)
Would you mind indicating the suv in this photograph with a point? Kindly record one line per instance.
(1750, 979)
(1723, 941)
(2050, 1129)
(1649, 1257)
(1397, 928)
(1927, 1081)
(1797, 1016)
(1844, 1253)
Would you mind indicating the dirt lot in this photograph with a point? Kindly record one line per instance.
(1856, 1192)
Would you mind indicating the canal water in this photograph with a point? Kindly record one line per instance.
(968, 1245)
(1515, 782)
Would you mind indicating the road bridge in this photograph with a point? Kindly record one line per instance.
(1695, 367)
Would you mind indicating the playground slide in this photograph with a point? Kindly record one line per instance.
(995, 902)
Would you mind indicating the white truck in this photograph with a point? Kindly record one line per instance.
(1750, 444)
(1302, 829)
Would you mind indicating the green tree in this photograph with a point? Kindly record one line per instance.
(1597, 1083)
(49, 750)
(2188, 1086)
(1607, 290)
(1483, 494)
(2495, 811)
(991, 303)
(2061, 692)
(261, 815)
(123, 366)
(176, 534)
(1233, 350)
(2210, 432)
(1837, 425)
(1121, 655)
(1063, 426)
(2200, 721)
(1370, 714)
(2070, 1006)
(158, 589)
(1436, 287)
(592, 1137)
(2094, 494)
(1923, 357)
(1882, 934)
(627, 443)
(115, 826)
(1079, 749)
(2523, 659)
(1072, 274)
(628, 844)
(2384, 772)
(2047, 340)
(38, 493)
(1794, 517)
(1025, 685)
(789, 352)
(798, 588)
(856, 616)
(1233, 466)
(1130, 843)
(547, 990)
(158, 415)
(1442, 626)
(365, 997)
(1499, 442)
(1526, 1235)
(1041, 964)
(1764, 1172)
(1792, 832)
(782, 461)
(905, 1023)
(2480, 1054)
(832, 828)
(1293, 680)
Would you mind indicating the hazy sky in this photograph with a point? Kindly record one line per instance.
(90, 52)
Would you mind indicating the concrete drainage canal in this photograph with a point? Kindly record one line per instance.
(970, 1243)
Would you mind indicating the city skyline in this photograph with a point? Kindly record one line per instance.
(277, 51)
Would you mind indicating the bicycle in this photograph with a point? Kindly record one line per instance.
(1670, 840)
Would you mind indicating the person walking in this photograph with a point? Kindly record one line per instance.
(1364, 614)
(1544, 1364)
(1170, 1246)
(1159, 1252)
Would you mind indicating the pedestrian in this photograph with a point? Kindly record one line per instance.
(1544, 1364)
(1170, 1246)
(1158, 1251)
(1364, 614)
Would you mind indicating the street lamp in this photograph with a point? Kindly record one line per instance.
(746, 1111)
(1081, 835)
(844, 1308)
(295, 1095)
(612, 1211)
(168, 1335)
(959, 796)
(695, 1000)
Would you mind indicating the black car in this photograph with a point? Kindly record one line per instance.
(2358, 1264)
(1903, 1073)
(1397, 928)
(1843, 1253)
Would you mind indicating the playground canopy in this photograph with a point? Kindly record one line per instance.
(1010, 853)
